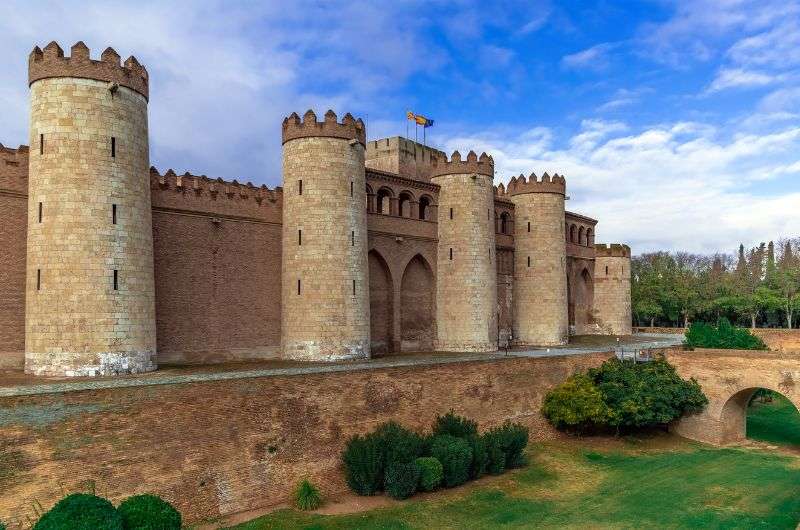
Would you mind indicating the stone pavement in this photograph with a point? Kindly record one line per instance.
(643, 341)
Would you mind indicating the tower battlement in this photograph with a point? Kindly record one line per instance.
(349, 128)
(14, 169)
(613, 250)
(50, 62)
(202, 185)
(547, 184)
(483, 165)
(14, 157)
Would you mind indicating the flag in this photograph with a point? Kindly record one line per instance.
(419, 119)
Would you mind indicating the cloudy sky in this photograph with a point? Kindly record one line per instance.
(677, 124)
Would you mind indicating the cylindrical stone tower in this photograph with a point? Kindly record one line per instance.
(466, 283)
(90, 296)
(540, 278)
(325, 297)
(612, 289)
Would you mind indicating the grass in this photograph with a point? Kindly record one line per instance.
(599, 483)
(776, 422)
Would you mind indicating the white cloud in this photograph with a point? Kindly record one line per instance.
(739, 78)
(672, 186)
(594, 58)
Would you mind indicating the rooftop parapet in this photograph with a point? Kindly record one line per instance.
(613, 250)
(50, 62)
(483, 165)
(309, 127)
(14, 169)
(215, 187)
(520, 185)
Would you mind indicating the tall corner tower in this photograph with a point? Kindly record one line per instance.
(90, 295)
(466, 284)
(540, 278)
(612, 289)
(325, 295)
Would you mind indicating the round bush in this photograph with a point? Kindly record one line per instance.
(307, 496)
(496, 464)
(455, 454)
(576, 403)
(148, 512)
(430, 473)
(81, 511)
(402, 480)
(480, 456)
(454, 425)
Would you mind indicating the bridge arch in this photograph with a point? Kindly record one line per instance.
(729, 378)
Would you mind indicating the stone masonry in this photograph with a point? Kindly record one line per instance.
(207, 270)
(612, 289)
(90, 302)
(467, 286)
(325, 283)
(540, 281)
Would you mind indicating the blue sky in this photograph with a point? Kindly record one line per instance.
(677, 124)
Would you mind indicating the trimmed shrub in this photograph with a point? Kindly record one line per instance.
(496, 464)
(723, 336)
(430, 473)
(480, 456)
(81, 511)
(576, 403)
(148, 512)
(307, 496)
(363, 462)
(455, 454)
(402, 480)
(399, 445)
(645, 394)
(511, 438)
(454, 425)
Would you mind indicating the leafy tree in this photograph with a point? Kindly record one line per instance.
(576, 404)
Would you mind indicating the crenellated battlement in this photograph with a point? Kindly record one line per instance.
(14, 169)
(613, 250)
(547, 184)
(349, 128)
(483, 165)
(51, 62)
(215, 188)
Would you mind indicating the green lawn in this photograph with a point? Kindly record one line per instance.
(660, 482)
(776, 422)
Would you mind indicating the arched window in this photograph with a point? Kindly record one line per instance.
(404, 204)
(368, 196)
(589, 237)
(581, 236)
(505, 223)
(383, 205)
(572, 233)
(424, 205)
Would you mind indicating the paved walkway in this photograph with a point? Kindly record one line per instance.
(167, 378)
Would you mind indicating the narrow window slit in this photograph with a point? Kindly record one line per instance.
(41, 144)
(113, 147)
(529, 226)
(116, 280)
(451, 213)
(113, 214)
(354, 287)
(352, 238)
(40, 212)
(529, 261)
(299, 237)
(298, 286)
(451, 253)
(299, 187)
(38, 279)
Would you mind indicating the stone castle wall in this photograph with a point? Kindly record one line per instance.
(90, 298)
(325, 295)
(219, 447)
(612, 289)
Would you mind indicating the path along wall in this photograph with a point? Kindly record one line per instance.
(220, 447)
(775, 338)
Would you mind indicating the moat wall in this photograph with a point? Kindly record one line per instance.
(220, 447)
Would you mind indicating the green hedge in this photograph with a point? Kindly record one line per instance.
(455, 454)
(723, 336)
(81, 511)
(402, 480)
(148, 512)
(363, 463)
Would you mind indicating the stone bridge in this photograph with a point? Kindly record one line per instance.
(729, 378)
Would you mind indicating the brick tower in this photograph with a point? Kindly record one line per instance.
(612, 288)
(325, 296)
(466, 285)
(540, 278)
(90, 298)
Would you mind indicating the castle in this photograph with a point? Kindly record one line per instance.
(369, 247)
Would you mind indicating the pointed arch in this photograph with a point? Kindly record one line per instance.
(381, 297)
(417, 316)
